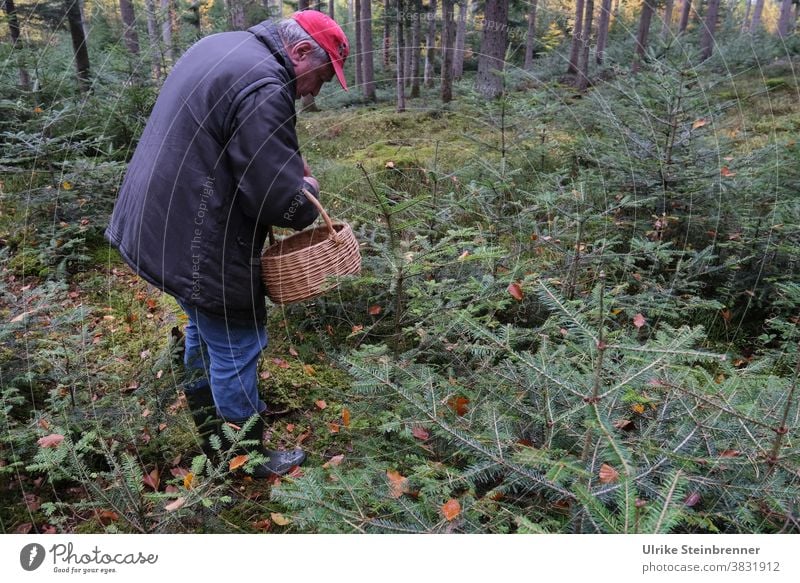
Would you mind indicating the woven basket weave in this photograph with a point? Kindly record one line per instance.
(298, 267)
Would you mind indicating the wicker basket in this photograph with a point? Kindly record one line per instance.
(298, 267)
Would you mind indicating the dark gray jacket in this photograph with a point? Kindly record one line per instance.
(217, 163)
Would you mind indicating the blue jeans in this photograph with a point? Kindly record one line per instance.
(222, 356)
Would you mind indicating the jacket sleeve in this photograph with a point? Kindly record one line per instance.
(265, 159)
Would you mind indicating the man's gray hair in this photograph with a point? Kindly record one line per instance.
(292, 33)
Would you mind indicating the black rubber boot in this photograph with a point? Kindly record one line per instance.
(278, 462)
(204, 414)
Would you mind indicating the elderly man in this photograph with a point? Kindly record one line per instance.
(217, 164)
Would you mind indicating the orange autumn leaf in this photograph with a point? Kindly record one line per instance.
(608, 474)
(187, 480)
(106, 517)
(279, 519)
(458, 405)
(398, 484)
(374, 310)
(52, 440)
(346, 417)
(321, 404)
(516, 291)
(309, 370)
(727, 172)
(333, 427)
(451, 509)
(334, 461)
(637, 408)
(238, 462)
(730, 453)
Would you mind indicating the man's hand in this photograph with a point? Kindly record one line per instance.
(313, 182)
(306, 168)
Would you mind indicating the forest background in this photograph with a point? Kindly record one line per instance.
(579, 301)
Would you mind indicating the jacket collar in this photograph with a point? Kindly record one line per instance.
(267, 33)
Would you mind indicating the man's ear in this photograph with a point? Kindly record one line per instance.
(302, 49)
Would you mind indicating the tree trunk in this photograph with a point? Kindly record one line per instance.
(129, 22)
(416, 41)
(400, 75)
(332, 9)
(644, 31)
(572, 68)
(430, 47)
(166, 29)
(448, 40)
(666, 23)
(685, 12)
(493, 49)
(602, 31)
(407, 54)
(152, 35)
(709, 30)
(387, 36)
(461, 40)
(78, 43)
(235, 10)
(530, 40)
(785, 19)
(359, 56)
(302, 5)
(368, 63)
(13, 26)
(586, 35)
(746, 21)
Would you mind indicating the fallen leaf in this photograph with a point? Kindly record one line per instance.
(187, 480)
(106, 517)
(145, 354)
(66, 185)
(146, 413)
(726, 172)
(280, 362)
(458, 405)
(238, 462)
(726, 315)
(356, 329)
(23, 528)
(639, 321)
(608, 474)
(516, 291)
(463, 256)
(152, 480)
(698, 123)
(334, 461)
(21, 316)
(293, 352)
(333, 427)
(451, 509)
(625, 424)
(730, 453)
(172, 506)
(263, 524)
(52, 440)
(374, 310)
(179, 472)
(279, 519)
(321, 404)
(420, 432)
(264, 375)
(692, 499)
(637, 408)
(346, 417)
(303, 436)
(32, 501)
(398, 484)
(389, 165)
(289, 427)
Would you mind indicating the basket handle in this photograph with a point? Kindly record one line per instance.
(332, 234)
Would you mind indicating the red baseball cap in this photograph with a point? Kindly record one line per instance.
(327, 34)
